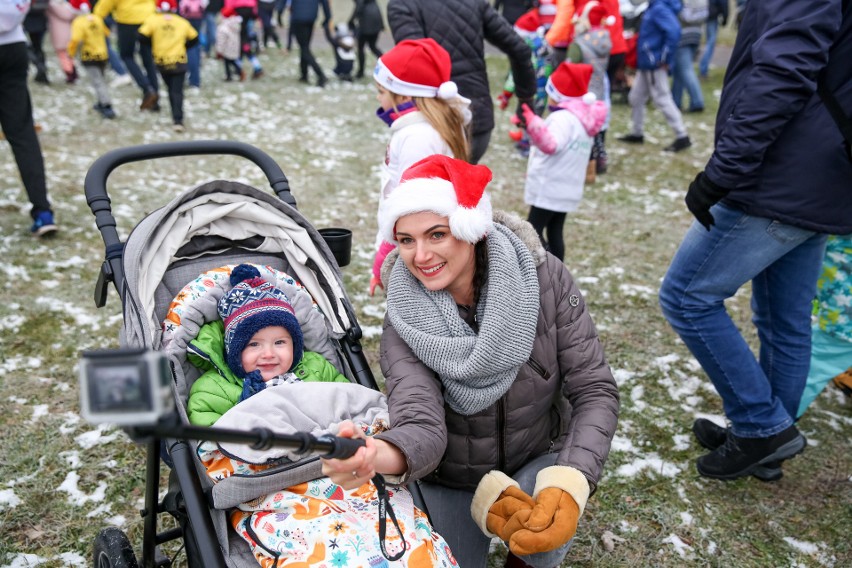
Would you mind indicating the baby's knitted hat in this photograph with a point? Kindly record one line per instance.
(251, 305)
(416, 68)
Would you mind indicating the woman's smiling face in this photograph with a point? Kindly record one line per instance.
(434, 256)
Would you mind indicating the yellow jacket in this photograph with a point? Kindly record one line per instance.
(126, 11)
(89, 33)
(169, 34)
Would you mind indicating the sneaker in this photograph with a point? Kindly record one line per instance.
(738, 457)
(43, 224)
(107, 112)
(679, 144)
(632, 138)
(121, 81)
(178, 127)
(321, 81)
(149, 100)
(711, 436)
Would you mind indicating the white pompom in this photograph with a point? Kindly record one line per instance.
(589, 98)
(448, 90)
(609, 20)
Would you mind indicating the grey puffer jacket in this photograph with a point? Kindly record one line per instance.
(564, 398)
(460, 26)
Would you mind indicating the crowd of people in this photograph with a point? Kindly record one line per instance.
(487, 336)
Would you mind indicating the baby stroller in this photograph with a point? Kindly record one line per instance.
(216, 224)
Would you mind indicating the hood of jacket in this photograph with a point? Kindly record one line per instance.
(207, 351)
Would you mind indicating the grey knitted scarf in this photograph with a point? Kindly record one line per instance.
(476, 369)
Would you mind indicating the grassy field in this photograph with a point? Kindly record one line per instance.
(63, 480)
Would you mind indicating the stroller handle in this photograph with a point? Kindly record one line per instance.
(96, 178)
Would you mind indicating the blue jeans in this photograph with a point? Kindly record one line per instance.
(683, 76)
(449, 511)
(760, 398)
(193, 57)
(209, 32)
(709, 47)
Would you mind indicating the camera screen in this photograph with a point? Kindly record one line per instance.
(119, 388)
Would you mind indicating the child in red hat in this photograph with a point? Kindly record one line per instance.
(89, 33)
(562, 144)
(424, 111)
(169, 36)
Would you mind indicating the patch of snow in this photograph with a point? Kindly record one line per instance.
(39, 410)
(8, 499)
(97, 437)
(652, 463)
(683, 550)
(77, 497)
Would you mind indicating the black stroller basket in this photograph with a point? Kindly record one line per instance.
(186, 499)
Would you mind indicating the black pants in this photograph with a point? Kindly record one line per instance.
(174, 83)
(127, 42)
(363, 41)
(553, 222)
(265, 11)
(303, 31)
(36, 53)
(478, 145)
(16, 121)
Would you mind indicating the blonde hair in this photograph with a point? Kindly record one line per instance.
(447, 119)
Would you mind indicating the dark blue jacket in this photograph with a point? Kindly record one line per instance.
(659, 34)
(307, 10)
(777, 147)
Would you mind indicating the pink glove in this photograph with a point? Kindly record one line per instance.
(538, 132)
(504, 98)
(374, 282)
(381, 254)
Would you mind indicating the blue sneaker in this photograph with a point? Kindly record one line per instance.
(43, 224)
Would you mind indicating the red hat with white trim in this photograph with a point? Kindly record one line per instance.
(417, 68)
(444, 186)
(570, 80)
(84, 6)
(527, 24)
(167, 5)
(547, 10)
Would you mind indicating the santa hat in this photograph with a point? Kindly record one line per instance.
(594, 14)
(83, 6)
(416, 68)
(251, 305)
(547, 11)
(167, 5)
(570, 80)
(527, 25)
(444, 186)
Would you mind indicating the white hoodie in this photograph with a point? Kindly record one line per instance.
(12, 13)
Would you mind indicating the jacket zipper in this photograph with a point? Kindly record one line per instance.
(501, 434)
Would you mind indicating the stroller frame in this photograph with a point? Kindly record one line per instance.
(189, 504)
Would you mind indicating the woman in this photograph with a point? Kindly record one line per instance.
(499, 395)
(367, 22)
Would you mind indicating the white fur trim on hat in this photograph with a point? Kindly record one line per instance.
(448, 90)
(437, 196)
(389, 81)
(553, 92)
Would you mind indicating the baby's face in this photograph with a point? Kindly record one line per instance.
(270, 350)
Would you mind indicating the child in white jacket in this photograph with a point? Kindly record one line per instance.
(562, 142)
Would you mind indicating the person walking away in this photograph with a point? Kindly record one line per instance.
(16, 114)
(129, 15)
(659, 34)
(486, 340)
(461, 27)
(592, 45)
(265, 9)
(367, 22)
(303, 17)
(556, 171)
(169, 36)
(776, 184)
(717, 15)
(692, 16)
(228, 44)
(247, 10)
(211, 13)
(35, 25)
(193, 12)
(425, 113)
(59, 18)
(89, 33)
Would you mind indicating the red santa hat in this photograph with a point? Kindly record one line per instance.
(527, 25)
(547, 11)
(570, 80)
(83, 6)
(417, 68)
(444, 186)
(167, 5)
(594, 14)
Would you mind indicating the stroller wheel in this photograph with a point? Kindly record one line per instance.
(113, 550)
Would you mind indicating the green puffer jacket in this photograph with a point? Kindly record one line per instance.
(218, 389)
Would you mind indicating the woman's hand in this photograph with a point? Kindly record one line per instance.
(356, 470)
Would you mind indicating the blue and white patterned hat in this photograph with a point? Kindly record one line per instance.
(251, 305)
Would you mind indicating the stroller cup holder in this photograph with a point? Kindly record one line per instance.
(339, 241)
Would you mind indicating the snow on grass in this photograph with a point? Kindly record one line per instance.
(100, 436)
(683, 549)
(818, 551)
(39, 410)
(651, 463)
(76, 496)
(8, 499)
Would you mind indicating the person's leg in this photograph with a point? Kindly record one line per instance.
(449, 512)
(708, 268)
(37, 56)
(372, 41)
(555, 238)
(311, 60)
(209, 32)
(302, 34)
(662, 97)
(709, 47)
(126, 48)
(637, 98)
(681, 61)
(478, 145)
(362, 42)
(539, 219)
(690, 81)
(174, 83)
(16, 121)
(148, 62)
(193, 57)
(95, 74)
(782, 297)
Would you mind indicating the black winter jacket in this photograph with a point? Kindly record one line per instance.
(460, 26)
(308, 10)
(777, 146)
(367, 17)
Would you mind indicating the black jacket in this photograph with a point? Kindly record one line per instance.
(460, 26)
(367, 17)
(777, 146)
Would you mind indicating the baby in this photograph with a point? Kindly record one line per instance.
(257, 344)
